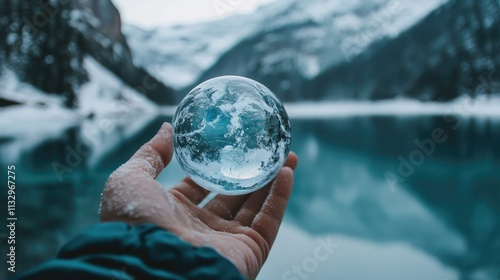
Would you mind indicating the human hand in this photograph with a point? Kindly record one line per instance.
(241, 228)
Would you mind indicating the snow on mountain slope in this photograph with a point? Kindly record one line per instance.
(12, 89)
(452, 52)
(306, 35)
(104, 96)
(107, 95)
(178, 55)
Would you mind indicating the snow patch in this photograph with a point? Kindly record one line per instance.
(11, 88)
(106, 95)
(482, 106)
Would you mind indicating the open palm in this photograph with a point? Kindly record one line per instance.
(241, 228)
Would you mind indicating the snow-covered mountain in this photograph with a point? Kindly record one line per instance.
(302, 50)
(281, 44)
(452, 52)
(50, 54)
(105, 42)
(178, 55)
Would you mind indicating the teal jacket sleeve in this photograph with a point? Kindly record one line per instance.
(118, 251)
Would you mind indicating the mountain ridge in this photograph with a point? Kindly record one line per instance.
(450, 53)
(282, 44)
(46, 43)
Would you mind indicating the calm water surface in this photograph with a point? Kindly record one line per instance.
(387, 207)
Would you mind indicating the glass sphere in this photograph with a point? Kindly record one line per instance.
(231, 135)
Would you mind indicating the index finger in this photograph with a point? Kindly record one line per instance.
(153, 156)
(134, 181)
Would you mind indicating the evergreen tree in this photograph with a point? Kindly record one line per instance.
(42, 47)
(4, 25)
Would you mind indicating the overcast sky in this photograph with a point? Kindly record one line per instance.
(152, 13)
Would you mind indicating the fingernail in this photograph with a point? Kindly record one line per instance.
(164, 130)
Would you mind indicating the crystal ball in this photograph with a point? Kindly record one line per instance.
(231, 135)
